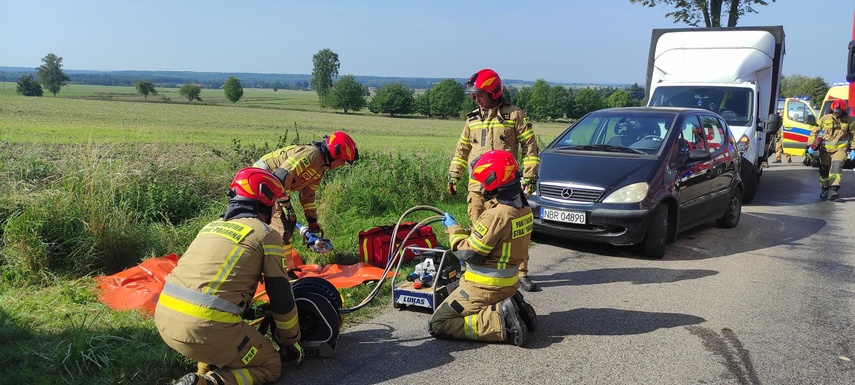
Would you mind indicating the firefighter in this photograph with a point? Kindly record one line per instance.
(779, 148)
(486, 306)
(834, 149)
(300, 168)
(494, 125)
(199, 312)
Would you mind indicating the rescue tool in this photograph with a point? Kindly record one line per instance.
(313, 241)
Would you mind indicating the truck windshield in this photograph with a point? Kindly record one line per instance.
(734, 104)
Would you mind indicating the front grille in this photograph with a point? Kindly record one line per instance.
(570, 193)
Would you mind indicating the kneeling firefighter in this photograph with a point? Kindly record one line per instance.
(200, 309)
(486, 306)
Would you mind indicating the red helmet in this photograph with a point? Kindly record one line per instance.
(485, 80)
(341, 145)
(840, 105)
(257, 184)
(494, 169)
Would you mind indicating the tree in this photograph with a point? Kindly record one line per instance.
(538, 103)
(393, 99)
(446, 98)
(693, 12)
(347, 94)
(28, 86)
(586, 100)
(800, 85)
(523, 97)
(619, 99)
(422, 104)
(191, 92)
(51, 75)
(325, 68)
(145, 88)
(557, 102)
(233, 90)
(636, 94)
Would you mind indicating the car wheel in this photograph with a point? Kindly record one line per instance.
(732, 213)
(653, 245)
(751, 188)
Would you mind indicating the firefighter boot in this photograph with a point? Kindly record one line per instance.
(527, 284)
(824, 193)
(526, 312)
(514, 327)
(197, 379)
(834, 194)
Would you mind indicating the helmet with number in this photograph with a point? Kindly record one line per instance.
(485, 80)
(495, 169)
(341, 145)
(839, 105)
(258, 185)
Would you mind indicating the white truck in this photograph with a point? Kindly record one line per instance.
(734, 72)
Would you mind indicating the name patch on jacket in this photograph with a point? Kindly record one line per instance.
(522, 226)
(231, 230)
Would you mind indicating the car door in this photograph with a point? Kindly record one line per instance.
(693, 177)
(798, 118)
(722, 164)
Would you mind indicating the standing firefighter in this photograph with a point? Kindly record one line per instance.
(495, 125)
(834, 149)
(486, 306)
(199, 312)
(301, 168)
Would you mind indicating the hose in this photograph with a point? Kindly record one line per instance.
(397, 252)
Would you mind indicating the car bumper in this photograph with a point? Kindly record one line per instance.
(617, 227)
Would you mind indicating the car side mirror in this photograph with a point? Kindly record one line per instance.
(810, 120)
(773, 124)
(699, 154)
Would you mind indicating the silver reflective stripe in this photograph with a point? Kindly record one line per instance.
(490, 272)
(260, 164)
(200, 298)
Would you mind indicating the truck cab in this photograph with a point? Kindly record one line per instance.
(734, 72)
(798, 118)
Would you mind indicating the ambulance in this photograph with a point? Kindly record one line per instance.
(837, 91)
(798, 119)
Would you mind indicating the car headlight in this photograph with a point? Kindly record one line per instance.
(633, 193)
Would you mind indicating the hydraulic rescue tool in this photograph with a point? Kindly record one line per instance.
(320, 306)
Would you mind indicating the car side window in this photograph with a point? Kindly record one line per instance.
(693, 134)
(713, 131)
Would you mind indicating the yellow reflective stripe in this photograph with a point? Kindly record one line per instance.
(471, 326)
(294, 163)
(491, 124)
(525, 135)
(225, 269)
(492, 281)
(234, 231)
(531, 160)
(459, 161)
(506, 256)
(287, 324)
(835, 145)
(197, 311)
(479, 246)
(454, 238)
(310, 206)
(274, 250)
(464, 139)
(242, 376)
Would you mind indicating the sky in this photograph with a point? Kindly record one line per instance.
(561, 41)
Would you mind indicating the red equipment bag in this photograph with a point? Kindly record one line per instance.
(374, 243)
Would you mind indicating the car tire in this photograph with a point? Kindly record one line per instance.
(732, 213)
(751, 188)
(656, 237)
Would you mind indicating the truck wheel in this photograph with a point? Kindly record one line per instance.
(751, 188)
(653, 245)
(732, 213)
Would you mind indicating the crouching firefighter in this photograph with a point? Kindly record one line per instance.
(200, 309)
(486, 306)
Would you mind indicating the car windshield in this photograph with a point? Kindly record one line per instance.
(734, 104)
(618, 130)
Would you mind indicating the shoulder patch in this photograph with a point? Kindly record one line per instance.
(479, 230)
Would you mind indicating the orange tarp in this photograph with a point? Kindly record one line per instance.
(139, 287)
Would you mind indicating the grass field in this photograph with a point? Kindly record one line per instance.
(98, 178)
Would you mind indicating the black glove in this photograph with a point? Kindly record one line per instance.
(314, 227)
(452, 185)
(529, 185)
(288, 214)
(292, 353)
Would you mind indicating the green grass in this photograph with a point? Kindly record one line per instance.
(98, 179)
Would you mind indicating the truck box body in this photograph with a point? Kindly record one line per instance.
(734, 72)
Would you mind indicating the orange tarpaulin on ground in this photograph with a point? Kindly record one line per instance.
(139, 287)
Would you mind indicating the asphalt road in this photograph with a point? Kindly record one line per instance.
(769, 302)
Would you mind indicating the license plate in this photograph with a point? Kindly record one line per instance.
(577, 217)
